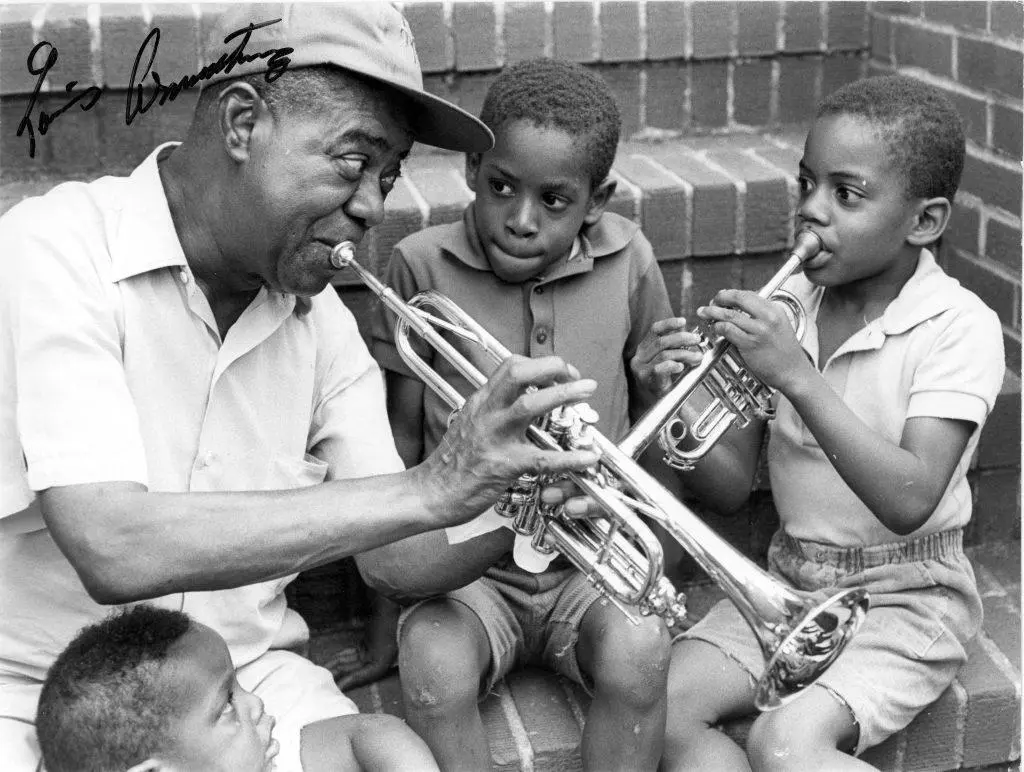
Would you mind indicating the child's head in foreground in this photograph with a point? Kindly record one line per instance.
(881, 166)
(149, 689)
(556, 128)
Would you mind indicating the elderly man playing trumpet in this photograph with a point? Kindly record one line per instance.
(189, 416)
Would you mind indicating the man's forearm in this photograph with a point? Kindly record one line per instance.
(128, 544)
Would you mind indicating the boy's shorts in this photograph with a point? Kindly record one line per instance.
(528, 618)
(925, 607)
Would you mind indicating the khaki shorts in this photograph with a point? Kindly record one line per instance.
(925, 607)
(529, 619)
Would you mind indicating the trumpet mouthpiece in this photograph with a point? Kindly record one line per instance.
(806, 245)
(343, 254)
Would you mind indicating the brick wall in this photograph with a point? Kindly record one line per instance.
(975, 53)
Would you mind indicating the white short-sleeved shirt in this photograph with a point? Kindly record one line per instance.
(936, 351)
(113, 369)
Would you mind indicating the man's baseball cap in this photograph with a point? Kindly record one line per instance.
(365, 37)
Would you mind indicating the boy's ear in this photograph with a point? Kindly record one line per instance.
(932, 218)
(599, 199)
(472, 164)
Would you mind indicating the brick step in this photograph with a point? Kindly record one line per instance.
(534, 718)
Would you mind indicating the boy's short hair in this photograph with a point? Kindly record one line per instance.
(551, 93)
(917, 122)
(104, 705)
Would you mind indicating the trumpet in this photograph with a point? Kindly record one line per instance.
(729, 392)
(799, 635)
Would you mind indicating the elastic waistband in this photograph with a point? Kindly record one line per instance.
(936, 546)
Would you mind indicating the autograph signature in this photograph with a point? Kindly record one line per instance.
(136, 103)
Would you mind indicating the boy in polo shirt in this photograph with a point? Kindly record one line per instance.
(538, 263)
(880, 410)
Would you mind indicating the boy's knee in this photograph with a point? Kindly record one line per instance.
(439, 659)
(631, 661)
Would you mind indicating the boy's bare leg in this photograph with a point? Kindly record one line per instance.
(364, 742)
(379, 647)
(704, 687)
(628, 666)
(442, 656)
(805, 734)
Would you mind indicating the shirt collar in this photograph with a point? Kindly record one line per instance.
(145, 239)
(609, 235)
(927, 293)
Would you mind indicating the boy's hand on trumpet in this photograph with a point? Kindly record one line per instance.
(486, 448)
(667, 350)
(763, 334)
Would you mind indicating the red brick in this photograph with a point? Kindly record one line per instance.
(471, 90)
(752, 89)
(209, 14)
(713, 227)
(672, 273)
(180, 41)
(1002, 625)
(666, 30)
(547, 717)
(624, 83)
(439, 179)
(713, 25)
(524, 31)
(925, 48)
(964, 229)
(573, 31)
(504, 752)
(620, 31)
(441, 86)
(666, 95)
(15, 45)
(432, 36)
(798, 89)
(785, 158)
(993, 286)
(625, 202)
(999, 444)
(757, 269)
(122, 147)
(663, 206)
(1006, 129)
(964, 15)
(66, 27)
(973, 113)
(802, 26)
(122, 30)
(1002, 244)
(997, 511)
(14, 150)
(881, 38)
(1012, 346)
(888, 754)
(932, 739)
(766, 203)
(989, 66)
(838, 70)
(899, 8)
(402, 216)
(74, 137)
(475, 44)
(1007, 18)
(992, 718)
(847, 26)
(996, 185)
(757, 21)
(708, 89)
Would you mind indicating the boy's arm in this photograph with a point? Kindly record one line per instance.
(405, 413)
(901, 484)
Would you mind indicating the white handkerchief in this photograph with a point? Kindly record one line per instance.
(523, 553)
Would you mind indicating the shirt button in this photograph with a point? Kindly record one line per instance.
(183, 276)
(539, 290)
(542, 335)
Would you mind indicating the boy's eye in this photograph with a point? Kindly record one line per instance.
(848, 195)
(553, 202)
(500, 187)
